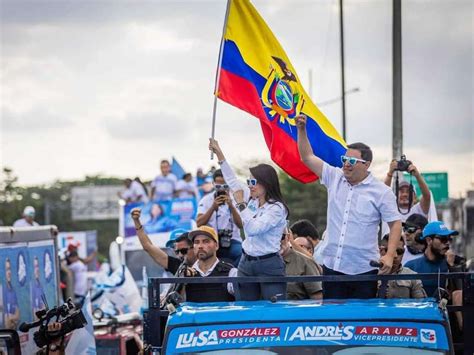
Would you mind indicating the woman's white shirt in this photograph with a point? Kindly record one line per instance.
(264, 225)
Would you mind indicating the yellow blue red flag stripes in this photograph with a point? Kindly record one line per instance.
(257, 76)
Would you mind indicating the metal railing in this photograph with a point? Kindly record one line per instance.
(155, 316)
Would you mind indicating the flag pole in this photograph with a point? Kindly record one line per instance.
(218, 75)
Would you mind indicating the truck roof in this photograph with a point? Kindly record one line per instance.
(330, 310)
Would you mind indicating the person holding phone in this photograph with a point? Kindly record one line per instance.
(264, 218)
(218, 211)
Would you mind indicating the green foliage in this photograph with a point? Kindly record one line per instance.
(53, 205)
(305, 201)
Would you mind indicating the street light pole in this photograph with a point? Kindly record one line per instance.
(343, 88)
(397, 128)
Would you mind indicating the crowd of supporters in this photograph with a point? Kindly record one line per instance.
(243, 230)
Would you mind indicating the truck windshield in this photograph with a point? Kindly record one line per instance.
(324, 350)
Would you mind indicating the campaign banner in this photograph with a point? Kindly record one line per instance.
(160, 216)
(28, 272)
(43, 275)
(345, 334)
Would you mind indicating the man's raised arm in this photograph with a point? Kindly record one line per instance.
(155, 252)
(307, 156)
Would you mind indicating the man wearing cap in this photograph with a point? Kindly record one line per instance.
(403, 199)
(178, 239)
(206, 244)
(28, 219)
(412, 231)
(436, 258)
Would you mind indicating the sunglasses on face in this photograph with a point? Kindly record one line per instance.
(182, 251)
(251, 182)
(351, 160)
(444, 240)
(410, 230)
(221, 186)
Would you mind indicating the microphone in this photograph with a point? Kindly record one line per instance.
(375, 263)
(25, 327)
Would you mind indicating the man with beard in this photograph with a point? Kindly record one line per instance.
(412, 231)
(182, 247)
(400, 288)
(206, 244)
(436, 258)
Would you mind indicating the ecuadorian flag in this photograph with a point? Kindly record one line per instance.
(257, 77)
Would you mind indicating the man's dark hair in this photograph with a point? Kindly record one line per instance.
(165, 161)
(416, 220)
(185, 237)
(304, 228)
(186, 176)
(217, 173)
(73, 254)
(364, 149)
(386, 236)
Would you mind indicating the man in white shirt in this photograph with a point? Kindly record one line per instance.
(28, 219)
(134, 192)
(356, 203)
(79, 271)
(186, 187)
(163, 186)
(218, 211)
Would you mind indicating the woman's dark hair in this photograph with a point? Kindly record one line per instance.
(267, 176)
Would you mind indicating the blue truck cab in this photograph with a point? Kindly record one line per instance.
(376, 326)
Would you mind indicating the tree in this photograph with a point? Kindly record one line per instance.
(305, 201)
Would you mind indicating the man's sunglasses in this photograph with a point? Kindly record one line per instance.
(252, 182)
(182, 251)
(221, 186)
(410, 230)
(351, 160)
(444, 240)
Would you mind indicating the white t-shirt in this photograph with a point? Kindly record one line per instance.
(416, 208)
(222, 219)
(188, 189)
(136, 193)
(19, 223)
(79, 271)
(164, 186)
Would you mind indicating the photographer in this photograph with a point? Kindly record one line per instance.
(218, 211)
(406, 198)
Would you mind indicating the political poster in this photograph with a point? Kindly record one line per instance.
(160, 216)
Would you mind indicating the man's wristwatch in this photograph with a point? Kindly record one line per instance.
(241, 206)
(220, 162)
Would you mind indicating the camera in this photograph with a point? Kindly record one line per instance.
(403, 163)
(68, 315)
(225, 236)
(220, 193)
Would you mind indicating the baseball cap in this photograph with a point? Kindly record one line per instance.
(175, 234)
(29, 211)
(204, 230)
(416, 220)
(437, 228)
(403, 184)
